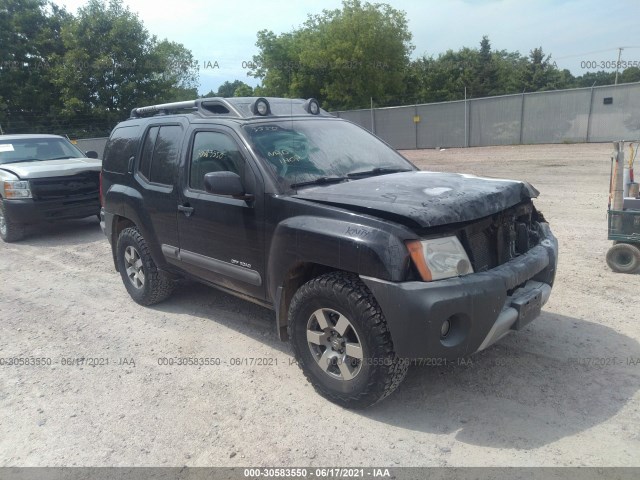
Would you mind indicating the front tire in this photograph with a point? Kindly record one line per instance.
(623, 258)
(341, 341)
(145, 283)
(9, 231)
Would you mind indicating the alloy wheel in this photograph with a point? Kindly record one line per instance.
(334, 344)
(133, 264)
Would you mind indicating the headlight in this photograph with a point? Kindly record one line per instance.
(17, 189)
(439, 258)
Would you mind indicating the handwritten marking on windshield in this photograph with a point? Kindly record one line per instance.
(266, 129)
(212, 154)
(285, 155)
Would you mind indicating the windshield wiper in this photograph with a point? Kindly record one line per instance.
(319, 181)
(378, 171)
(61, 158)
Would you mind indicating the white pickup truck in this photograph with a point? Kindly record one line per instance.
(45, 178)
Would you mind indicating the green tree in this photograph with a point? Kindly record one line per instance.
(628, 75)
(444, 78)
(243, 90)
(177, 72)
(511, 67)
(343, 57)
(228, 89)
(483, 72)
(541, 74)
(486, 78)
(591, 79)
(112, 64)
(30, 41)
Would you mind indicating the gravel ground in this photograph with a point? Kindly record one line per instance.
(562, 392)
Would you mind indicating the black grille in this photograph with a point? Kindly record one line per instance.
(483, 256)
(87, 183)
(494, 241)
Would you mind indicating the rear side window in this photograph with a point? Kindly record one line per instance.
(147, 152)
(160, 152)
(164, 166)
(122, 145)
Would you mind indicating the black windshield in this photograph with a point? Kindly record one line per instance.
(302, 151)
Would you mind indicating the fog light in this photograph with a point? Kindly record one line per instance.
(312, 106)
(261, 107)
(444, 329)
(464, 267)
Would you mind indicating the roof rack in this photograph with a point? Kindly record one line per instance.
(205, 106)
(238, 107)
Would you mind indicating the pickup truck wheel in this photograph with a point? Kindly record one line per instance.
(9, 231)
(341, 341)
(623, 258)
(145, 283)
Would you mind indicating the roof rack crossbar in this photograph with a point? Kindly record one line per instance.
(136, 112)
(199, 104)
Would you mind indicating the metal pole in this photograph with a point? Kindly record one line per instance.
(466, 120)
(373, 121)
(522, 117)
(415, 114)
(619, 183)
(590, 112)
(618, 63)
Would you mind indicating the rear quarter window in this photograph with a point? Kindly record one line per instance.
(122, 145)
(164, 165)
(160, 154)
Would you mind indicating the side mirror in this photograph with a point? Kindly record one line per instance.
(225, 183)
(92, 154)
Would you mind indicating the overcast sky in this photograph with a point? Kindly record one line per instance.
(573, 31)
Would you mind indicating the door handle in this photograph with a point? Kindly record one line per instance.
(186, 209)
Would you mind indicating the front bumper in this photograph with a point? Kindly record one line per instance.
(27, 211)
(481, 308)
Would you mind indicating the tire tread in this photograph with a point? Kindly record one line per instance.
(160, 285)
(388, 376)
(632, 250)
(15, 231)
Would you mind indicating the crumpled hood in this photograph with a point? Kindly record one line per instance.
(52, 168)
(428, 198)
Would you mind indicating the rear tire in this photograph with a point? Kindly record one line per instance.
(9, 231)
(145, 283)
(623, 258)
(341, 341)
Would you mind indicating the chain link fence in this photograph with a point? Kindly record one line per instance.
(597, 114)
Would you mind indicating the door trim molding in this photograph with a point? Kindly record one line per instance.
(237, 272)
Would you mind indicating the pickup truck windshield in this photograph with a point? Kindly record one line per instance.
(302, 151)
(36, 149)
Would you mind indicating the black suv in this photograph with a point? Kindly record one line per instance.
(368, 262)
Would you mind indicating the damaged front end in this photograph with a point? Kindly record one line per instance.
(456, 317)
(496, 239)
